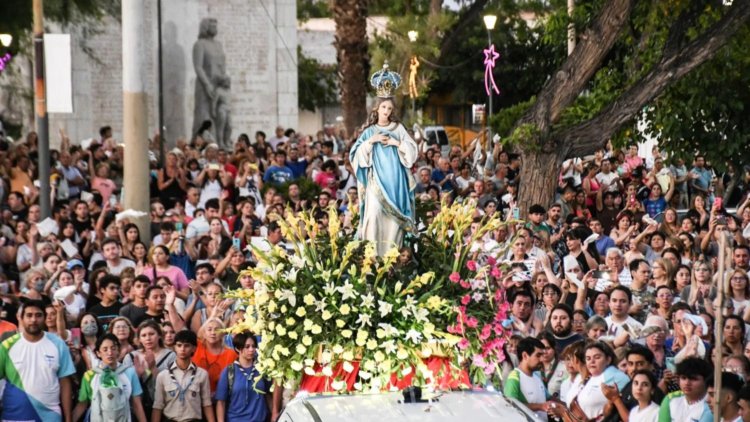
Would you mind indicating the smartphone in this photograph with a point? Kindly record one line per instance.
(112, 200)
(522, 276)
(718, 202)
(516, 213)
(669, 362)
(178, 226)
(601, 275)
(236, 242)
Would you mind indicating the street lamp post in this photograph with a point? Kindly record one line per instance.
(489, 23)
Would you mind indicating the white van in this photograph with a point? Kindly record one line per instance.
(436, 135)
(473, 406)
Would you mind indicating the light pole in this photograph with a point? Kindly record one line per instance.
(489, 23)
(40, 109)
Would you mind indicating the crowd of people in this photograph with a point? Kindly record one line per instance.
(612, 284)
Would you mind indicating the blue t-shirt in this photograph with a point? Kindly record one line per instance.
(438, 176)
(655, 206)
(297, 167)
(246, 404)
(278, 175)
(603, 243)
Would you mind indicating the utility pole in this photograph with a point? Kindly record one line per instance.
(162, 129)
(40, 109)
(135, 131)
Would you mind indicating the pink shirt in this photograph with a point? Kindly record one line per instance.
(174, 274)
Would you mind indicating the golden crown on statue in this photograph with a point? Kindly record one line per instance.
(385, 82)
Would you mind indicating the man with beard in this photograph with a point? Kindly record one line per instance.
(561, 326)
(37, 366)
(524, 383)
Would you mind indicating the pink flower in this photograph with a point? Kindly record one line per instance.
(463, 344)
(495, 272)
(478, 360)
(465, 284)
(486, 332)
(489, 369)
(465, 300)
(471, 322)
(471, 265)
(491, 261)
(454, 277)
(500, 355)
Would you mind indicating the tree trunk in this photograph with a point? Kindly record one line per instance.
(544, 153)
(353, 59)
(539, 171)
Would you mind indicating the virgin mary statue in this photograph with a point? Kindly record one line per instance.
(382, 159)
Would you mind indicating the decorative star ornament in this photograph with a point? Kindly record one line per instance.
(490, 55)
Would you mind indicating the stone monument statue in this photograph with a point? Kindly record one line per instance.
(212, 84)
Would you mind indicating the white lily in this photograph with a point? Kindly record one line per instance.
(413, 335)
(364, 319)
(421, 314)
(289, 296)
(292, 274)
(347, 291)
(368, 301)
(329, 289)
(384, 308)
(389, 346)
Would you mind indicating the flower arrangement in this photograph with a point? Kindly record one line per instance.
(333, 309)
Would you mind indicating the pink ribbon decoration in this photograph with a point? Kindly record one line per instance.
(490, 55)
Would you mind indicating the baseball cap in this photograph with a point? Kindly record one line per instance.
(75, 263)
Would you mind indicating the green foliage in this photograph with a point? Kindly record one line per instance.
(16, 15)
(606, 86)
(505, 120)
(394, 45)
(707, 110)
(522, 69)
(317, 82)
(309, 9)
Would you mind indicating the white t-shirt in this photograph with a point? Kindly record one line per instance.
(608, 179)
(571, 172)
(591, 398)
(33, 371)
(649, 414)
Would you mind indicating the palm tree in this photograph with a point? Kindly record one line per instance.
(353, 59)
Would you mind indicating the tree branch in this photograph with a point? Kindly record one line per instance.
(581, 65)
(587, 137)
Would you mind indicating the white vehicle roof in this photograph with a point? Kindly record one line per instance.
(473, 406)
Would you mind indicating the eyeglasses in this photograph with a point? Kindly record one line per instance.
(703, 269)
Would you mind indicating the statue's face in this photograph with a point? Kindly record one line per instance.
(385, 109)
(212, 27)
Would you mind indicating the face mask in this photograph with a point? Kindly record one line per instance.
(39, 285)
(89, 329)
